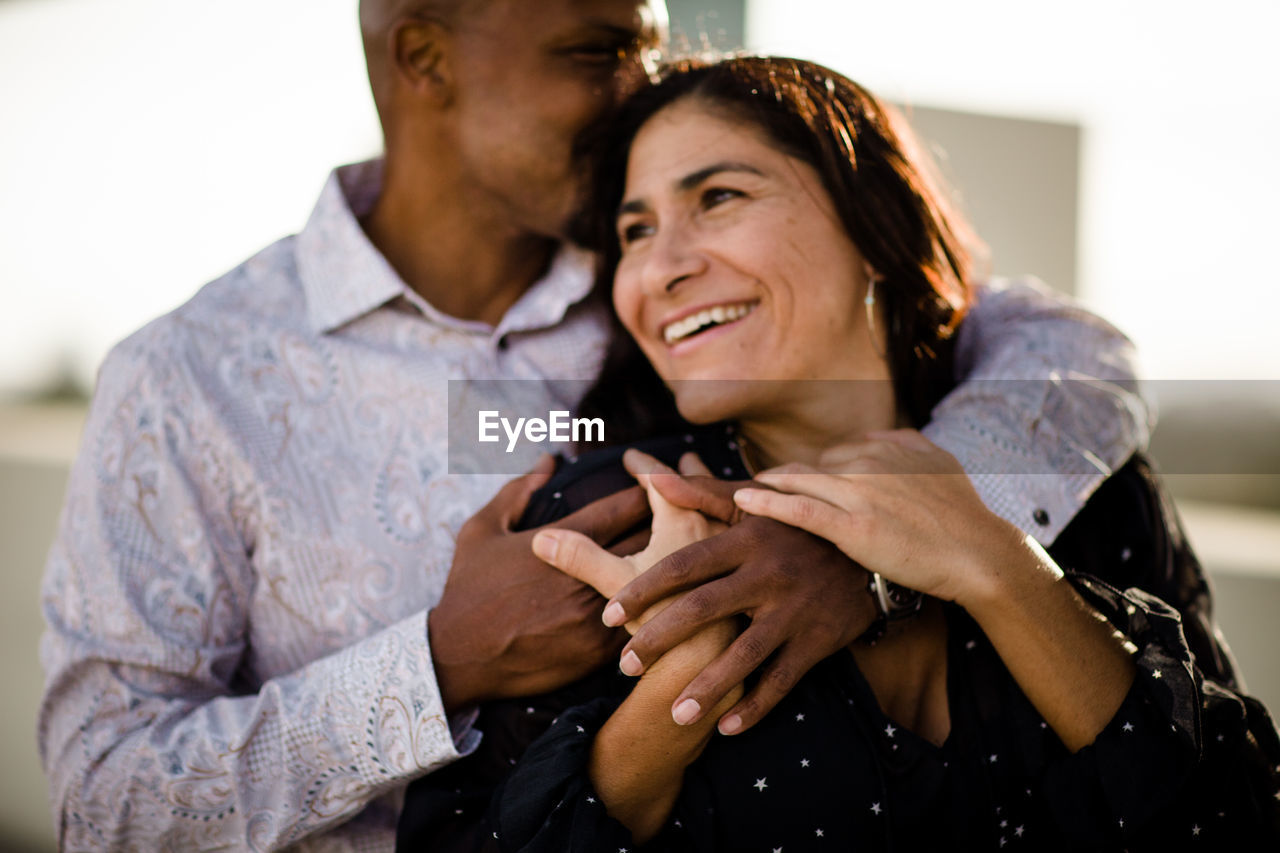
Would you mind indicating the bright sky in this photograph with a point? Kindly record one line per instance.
(150, 145)
(1180, 174)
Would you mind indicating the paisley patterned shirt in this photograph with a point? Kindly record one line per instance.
(262, 513)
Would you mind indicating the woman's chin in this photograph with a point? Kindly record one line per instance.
(707, 401)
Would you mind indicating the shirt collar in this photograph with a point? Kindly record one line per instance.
(344, 276)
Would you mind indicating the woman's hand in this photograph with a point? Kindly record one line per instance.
(579, 555)
(897, 504)
(903, 507)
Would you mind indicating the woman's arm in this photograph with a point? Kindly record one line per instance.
(640, 754)
(1072, 665)
(903, 507)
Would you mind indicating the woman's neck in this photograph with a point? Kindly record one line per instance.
(828, 414)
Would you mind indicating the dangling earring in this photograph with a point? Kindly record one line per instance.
(870, 302)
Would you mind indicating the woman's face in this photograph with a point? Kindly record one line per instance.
(735, 266)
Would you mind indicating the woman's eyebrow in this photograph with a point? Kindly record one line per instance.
(691, 181)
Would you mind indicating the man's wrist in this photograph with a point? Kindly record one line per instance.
(891, 603)
(458, 684)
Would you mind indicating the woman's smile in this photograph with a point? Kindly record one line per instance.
(701, 322)
(735, 265)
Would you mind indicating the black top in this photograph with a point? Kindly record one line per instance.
(1185, 761)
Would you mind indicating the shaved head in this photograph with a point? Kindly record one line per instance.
(483, 100)
(377, 20)
(378, 16)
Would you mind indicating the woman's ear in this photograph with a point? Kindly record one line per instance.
(420, 48)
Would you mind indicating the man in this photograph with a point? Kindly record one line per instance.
(239, 651)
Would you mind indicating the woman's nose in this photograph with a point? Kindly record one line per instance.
(673, 258)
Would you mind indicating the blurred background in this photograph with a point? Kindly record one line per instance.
(1123, 152)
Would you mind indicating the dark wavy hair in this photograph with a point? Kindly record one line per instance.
(883, 187)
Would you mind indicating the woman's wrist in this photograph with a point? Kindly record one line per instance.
(1007, 565)
(639, 757)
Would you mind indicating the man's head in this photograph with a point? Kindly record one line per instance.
(490, 95)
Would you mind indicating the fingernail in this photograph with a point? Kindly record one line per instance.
(545, 545)
(685, 712)
(630, 664)
(614, 615)
(744, 497)
(730, 724)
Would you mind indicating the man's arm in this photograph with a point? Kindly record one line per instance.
(149, 734)
(153, 730)
(1046, 408)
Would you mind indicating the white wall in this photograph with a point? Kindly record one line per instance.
(1179, 175)
(150, 145)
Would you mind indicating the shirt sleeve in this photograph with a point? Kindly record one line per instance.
(1047, 405)
(151, 732)
(1182, 759)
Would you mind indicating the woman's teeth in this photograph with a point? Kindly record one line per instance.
(694, 323)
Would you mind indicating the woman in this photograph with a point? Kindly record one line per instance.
(780, 261)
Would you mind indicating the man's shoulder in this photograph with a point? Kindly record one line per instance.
(1017, 290)
(265, 288)
(261, 296)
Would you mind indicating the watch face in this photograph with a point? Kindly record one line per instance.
(902, 598)
(899, 594)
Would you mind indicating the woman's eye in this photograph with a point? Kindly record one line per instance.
(634, 231)
(718, 195)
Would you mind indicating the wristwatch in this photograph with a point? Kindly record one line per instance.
(893, 602)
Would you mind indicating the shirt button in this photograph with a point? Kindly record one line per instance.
(1041, 517)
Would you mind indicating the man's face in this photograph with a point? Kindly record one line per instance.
(530, 76)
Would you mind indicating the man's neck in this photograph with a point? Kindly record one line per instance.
(461, 264)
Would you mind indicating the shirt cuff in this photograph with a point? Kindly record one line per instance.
(1019, 487)
(466, 738)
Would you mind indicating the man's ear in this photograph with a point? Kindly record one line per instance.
(419, 49)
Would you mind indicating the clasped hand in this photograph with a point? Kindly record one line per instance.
(789, 554)
(804, 598)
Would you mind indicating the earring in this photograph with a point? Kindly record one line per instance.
(870, 302)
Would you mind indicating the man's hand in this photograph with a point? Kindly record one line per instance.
(508, 624)
(673, 528)
(806, 600)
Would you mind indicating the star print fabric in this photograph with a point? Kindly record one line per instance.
(828, 771)
(1185, 757)
(1167, 763)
